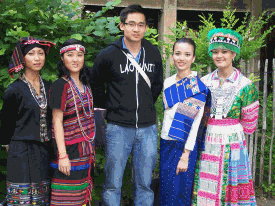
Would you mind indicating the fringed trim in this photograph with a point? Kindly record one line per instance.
(15, 69)
(88, 197)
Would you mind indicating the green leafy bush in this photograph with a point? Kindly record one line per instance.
(250, 28)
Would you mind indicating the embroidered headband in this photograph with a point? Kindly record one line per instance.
(76, 47)
(23, 46)
(224, 39)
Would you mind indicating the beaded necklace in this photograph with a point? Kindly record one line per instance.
(86, 137)
(42, 103)
(88, 116)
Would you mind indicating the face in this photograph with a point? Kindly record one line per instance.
(35, 59)
(183, 56)
(223, 58)
(73, 61)
(134, 27)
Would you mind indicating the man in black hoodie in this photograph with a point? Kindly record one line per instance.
(126, 79)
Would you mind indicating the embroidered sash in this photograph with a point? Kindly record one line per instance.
(191, 94)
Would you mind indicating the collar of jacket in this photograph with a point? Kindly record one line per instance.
(118, 43)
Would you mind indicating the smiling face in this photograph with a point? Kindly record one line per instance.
(223, 58)
(73, 61)
(35, 59)
(183, 56)
(134, 27)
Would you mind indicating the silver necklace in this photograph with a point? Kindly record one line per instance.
(38, 98)
(222, 100)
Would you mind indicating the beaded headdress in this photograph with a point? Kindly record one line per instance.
(24, 45)
(220, 38)
(72, 44)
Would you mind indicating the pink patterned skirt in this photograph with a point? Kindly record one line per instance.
(223, 174)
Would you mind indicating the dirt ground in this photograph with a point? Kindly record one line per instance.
(265, 202)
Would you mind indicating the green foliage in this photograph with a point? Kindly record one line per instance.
(250, 29)
(269, 189)
(200, 38)
(98, 174)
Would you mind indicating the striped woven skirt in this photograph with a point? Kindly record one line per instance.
(75, 189)
(223, 174)
(27, 173)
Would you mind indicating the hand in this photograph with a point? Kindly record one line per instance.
(64, 166)
(183, 166)
(7, 148)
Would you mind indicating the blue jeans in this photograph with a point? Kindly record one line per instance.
(120, 141)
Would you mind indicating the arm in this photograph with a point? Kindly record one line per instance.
(64, 164)
(58, 99)
(250, 109)
(9, 116)
(190, 143)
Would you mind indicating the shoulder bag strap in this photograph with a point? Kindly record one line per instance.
(140, 70)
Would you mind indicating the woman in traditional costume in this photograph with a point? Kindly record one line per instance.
(73, 129)
(224, 174)
(184, 99)
(25, 120)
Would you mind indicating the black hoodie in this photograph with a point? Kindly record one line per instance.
(126, 96)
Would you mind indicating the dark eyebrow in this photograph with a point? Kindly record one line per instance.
(137, 23)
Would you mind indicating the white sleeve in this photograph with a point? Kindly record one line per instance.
(190, 142)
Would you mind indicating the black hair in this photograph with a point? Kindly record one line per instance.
(188, 41)
(133, 8)
(63, 71)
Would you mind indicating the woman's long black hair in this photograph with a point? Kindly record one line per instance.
(63, 71)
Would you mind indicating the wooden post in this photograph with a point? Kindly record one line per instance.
(256, 133)
(209, 69)
(273, 125)
(167, 68)
(242, 69)
(264, 129)
(168, 19)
